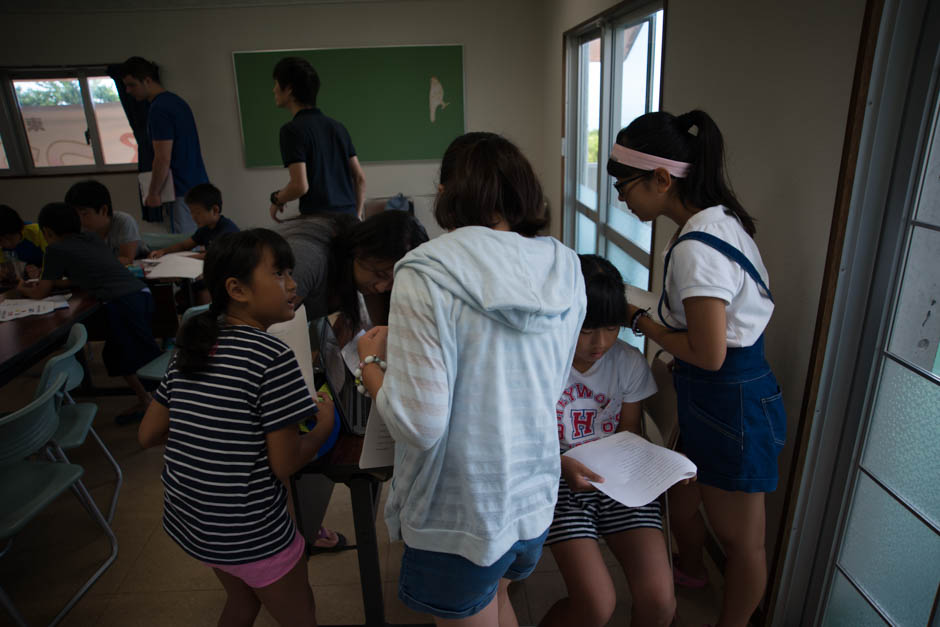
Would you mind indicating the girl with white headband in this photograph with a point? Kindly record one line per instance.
(715, 305)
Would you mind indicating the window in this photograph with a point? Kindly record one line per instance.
(68, 120)
(613, 76)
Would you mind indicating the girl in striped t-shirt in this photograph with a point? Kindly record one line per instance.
(228, 410)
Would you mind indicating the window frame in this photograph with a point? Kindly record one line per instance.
(13, 126)
(608, 27)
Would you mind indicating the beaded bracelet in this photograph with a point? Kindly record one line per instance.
(371, 359)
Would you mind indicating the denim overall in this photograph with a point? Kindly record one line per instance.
(732, 422)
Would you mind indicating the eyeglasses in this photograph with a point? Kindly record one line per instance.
(621, 185)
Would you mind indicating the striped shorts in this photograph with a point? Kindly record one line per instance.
(593, 514)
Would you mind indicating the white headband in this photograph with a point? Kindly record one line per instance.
(644, 161)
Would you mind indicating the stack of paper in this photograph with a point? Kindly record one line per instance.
(174, 266)
(635, 471)
(13, 308)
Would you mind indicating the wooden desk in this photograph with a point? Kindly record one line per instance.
(341, 465)
(25, 341)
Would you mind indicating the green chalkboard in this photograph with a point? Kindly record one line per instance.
(382, 95)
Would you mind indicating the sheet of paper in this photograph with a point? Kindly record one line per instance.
(176, 266)
(378, 447)
(351, 352)
(167, 194)
(11, 309)
(294, 333)
(635, 471)
(641, 298)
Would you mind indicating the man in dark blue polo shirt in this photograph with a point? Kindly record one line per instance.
(317, 151)
(172, 130)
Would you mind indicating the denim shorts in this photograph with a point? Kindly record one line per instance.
(450, 586)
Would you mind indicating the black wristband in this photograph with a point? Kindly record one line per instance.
(274, 200)
(635, 321)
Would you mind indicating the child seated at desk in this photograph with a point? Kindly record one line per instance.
(87, 263)
(205, 205)
(119, 230)
(23, 239)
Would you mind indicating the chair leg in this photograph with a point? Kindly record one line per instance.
(98, 518)
(7, 604)
(117, 472)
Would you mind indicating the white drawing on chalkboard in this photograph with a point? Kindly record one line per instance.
(436, 97)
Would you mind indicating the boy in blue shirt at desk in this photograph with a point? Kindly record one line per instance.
(88, 263)
(205, 206)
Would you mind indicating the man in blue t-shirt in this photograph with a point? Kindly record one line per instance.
(316, 150)
(171, 128)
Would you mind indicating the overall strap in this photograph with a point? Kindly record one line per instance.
(724, 248)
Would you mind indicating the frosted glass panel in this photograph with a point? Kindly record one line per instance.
(928, 203)
(847, 608)
(916, 330)
(902, 442)
(634, 272)
(893, 556)
(628, 225)
(54, 119)
(586, 235)
(117, 140)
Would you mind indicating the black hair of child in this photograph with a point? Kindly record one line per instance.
(60, 218)
(89, 194)
(232, 255)
(10, 221)
(302, 79)
(205, 194)
(671, 136)
(606, 299)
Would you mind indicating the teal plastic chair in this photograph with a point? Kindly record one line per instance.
(155, 241)
(28, 486)
(75, 419)
(156, 368)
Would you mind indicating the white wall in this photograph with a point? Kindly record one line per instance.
(502, 66)
(776, 77)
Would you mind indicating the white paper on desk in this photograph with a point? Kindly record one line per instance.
(13, 308)
(378, 447)
(177, 267)
(641, 298)
(635, 471)
(294, 333)
(167, 193)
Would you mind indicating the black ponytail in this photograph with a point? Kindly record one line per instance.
(692, 137)
(232, 255)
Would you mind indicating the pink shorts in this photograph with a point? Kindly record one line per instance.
(265, 572)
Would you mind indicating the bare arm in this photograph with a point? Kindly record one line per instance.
(40, 290)
(162, 149)
(297, 186)
(359, 184)
(630, 416)
(155, 426)
(704, 344)
(289, 450)
(186, 244)
(127, 251)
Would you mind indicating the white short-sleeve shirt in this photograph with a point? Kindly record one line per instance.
(589, 407)
(697, 269)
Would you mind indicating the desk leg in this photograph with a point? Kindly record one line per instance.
(365, 493)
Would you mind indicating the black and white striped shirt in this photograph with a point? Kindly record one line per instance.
(222, 502)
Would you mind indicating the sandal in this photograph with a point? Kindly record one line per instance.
(684, 580)
(341, 544)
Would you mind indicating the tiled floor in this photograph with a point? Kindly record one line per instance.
(153, 583)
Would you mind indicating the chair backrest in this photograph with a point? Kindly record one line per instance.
(65, 362)
(193, 311)
(663, 406)
(27, 430)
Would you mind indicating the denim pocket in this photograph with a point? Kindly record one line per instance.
(776, 417)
